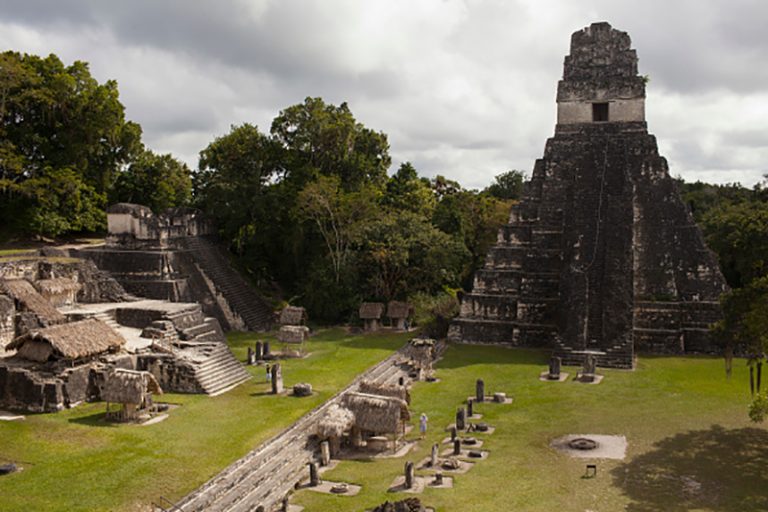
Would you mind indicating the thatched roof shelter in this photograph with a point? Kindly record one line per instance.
(371, 310)
(74, 340)
(29, 299)
(293, 333)
(335, 422)
(129, 386)
(393, 390)
(396, 309)
(293, 315)
(375, 413)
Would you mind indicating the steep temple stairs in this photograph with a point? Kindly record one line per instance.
(269, 473)
(601, 255)
(239, 295)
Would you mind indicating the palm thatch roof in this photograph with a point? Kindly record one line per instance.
(375, 413)
(68, 341)
(129, 386)
(335, 422)
(57, 285)
(293, 315)
(371, 310)
(28, 298)
(374, 388)
(396, 309)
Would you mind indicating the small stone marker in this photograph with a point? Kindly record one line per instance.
(470, 408)
(456, 447)
(325, 453)
(439, 478)
(251, 358)
(591, 471)
(433, 458)
(588, 371)
(277, 379)
(480, 390)
(314, 475)
(259, 351)
(453, 434)
(266, 354)
(554, 368)
(461, 417)
(409, 475)
(500, 397)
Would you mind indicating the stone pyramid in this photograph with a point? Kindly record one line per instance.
(601, 255)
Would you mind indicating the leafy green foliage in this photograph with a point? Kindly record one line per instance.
(758, 409)
(738, 233)
(507, 185)
(63, 138)
(156, 181)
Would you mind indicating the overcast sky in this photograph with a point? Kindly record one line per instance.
(462, 88)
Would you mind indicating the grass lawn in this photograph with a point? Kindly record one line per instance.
(690, 443)
(73, 460)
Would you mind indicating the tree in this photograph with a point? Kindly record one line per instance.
(738, 233)
(475, 219)
(337, 215)
(406, 191)
(156, 181)
(402, 253)
(507, 185)
(322, 139)
(235, 172)
(58, 123)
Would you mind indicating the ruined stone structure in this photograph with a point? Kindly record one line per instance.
(601, 255)
(174, 256)
(64, 326)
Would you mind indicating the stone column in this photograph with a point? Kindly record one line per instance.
(588, 372)
(259, 351)
(453, 433)
(277, 379)
(480, 390)
(433, 459)
(325, 453)
(456, 447)
(266, 354)
(314, 475)
(251, 358)
(409, 475)
(439, 478)
(554, 368)
(470, 408)
(461, 417)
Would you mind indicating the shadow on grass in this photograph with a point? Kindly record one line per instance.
(459, 356)
(716, 469)
(94, 420)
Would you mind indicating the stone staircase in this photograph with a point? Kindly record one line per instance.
(266, 475)
(108, 318)
(241, 297)
(219, 371)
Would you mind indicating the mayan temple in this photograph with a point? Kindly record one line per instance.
(601, 255)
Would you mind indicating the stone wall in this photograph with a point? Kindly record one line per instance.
(7, 322)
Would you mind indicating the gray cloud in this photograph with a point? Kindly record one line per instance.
(463, 88)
